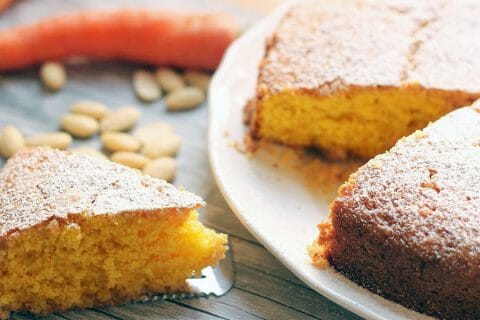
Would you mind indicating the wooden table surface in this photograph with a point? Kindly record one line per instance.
(264, 288)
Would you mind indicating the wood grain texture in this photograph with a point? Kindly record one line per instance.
(264, 288)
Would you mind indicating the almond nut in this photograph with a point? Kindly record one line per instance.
(198, 79)
(145, 86)
(11, 140)
(162, 168)
(117, 141)
(79, 125)
(184, 99)
(169, 80)
(92, 109)
(130, 159)
(58, 140)
(120, 120)
(166, 145)
(53, 75)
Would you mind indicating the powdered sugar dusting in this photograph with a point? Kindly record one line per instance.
(424, 194)
(40, 183)
(327, 47)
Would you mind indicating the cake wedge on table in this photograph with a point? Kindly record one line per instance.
(352, 77)
(77, 231)
(406, 225)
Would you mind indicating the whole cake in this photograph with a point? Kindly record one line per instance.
(351, 77)
(77, 231)
(407, 224)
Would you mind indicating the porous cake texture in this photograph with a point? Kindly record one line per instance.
(351, 77)
(407, 224)
(77, 231)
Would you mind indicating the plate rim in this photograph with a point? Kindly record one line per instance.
(214, 125)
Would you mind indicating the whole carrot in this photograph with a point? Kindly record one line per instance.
(154, 37)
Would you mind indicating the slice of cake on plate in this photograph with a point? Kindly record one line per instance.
(407, 224)
(351, 77)
(76, 231)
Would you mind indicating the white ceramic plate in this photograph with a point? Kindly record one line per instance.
(279, 210)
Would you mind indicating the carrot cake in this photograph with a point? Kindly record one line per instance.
(351, 77)
(407, 224)
(77, 231)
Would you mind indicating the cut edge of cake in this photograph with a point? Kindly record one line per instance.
(445, 248)
(355, 92)
(78, 231)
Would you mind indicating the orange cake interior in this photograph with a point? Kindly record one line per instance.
(90, 233)
(352, 77)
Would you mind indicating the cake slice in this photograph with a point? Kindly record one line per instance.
(407, 224)
(77, 231)
(351, 77)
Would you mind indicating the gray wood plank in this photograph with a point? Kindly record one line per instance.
(289, 294)
(248, 306)
(257, 257)
(156, 310)
(29, 317)
(219, 308)
(218, 215)
(86, 314)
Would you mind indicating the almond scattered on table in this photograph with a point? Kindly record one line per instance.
(91, 152)
(198, 79)
(169, 80)
(145, 86)
(130, 159)
(58, 140)
(153, 131)
(163, 168)
(11, 140)
(117, 141)
(120, 120)
(166, 145)
(88, 108)
(53, 75)
(184, 99)
(79, 125)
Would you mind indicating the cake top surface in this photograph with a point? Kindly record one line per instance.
(424, 194)
(329, 45)
(39, 183)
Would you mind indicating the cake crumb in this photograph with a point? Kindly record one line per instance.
(419, 134)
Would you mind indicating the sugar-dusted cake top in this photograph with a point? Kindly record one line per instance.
(424, 194)
(38, 184)
(329, 45)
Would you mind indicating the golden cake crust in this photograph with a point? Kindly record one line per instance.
(38, 184)
(327, 46)
(351, 77)
(407, 224)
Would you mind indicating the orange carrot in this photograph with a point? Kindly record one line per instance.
(4, 4)
(153, 37)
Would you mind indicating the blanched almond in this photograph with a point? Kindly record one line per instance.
(169, 80)
(152, 132)
(117, 141)
(120, 120)
(58, 140)
(92, 109)
(145, 86)
(198, 79)
(130, 159)
(53, 75)
(165, 145)
(184, 99)
(79, 125)
(162, 168)
(11, 140)
(91, 152)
